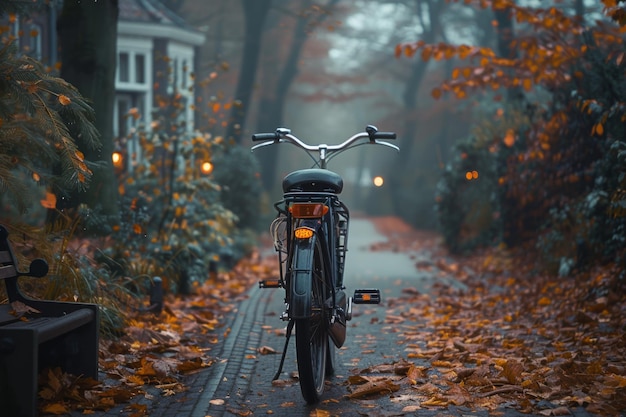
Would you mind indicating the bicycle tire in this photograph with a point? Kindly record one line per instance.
(312, 340)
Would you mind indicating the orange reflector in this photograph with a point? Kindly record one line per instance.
(303, 233)
(367, 297)
(308, 210)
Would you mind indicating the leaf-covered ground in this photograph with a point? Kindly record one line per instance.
(156, 351)
(509, 337)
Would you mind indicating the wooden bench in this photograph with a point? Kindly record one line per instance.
(51, 334)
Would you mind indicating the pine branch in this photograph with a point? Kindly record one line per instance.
(41, 117)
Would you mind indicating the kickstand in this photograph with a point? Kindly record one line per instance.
(282, 358)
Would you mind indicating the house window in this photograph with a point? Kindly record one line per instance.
(34, 41)
(174, 77)
(132, 68)
(185, 74)
(123, 67)
(123, 107)
(125, 122)
(140, 69)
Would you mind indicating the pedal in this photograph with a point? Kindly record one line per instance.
(270, 283)
(367, 296)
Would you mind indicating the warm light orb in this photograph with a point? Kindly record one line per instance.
(378, 181)
(116, 157)
(206, 167)
(471, 175)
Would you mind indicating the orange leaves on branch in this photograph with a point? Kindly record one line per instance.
(527, 84)
(50, 202)
(543, 58)
(509, 138)
(597, 129)
(64, 100)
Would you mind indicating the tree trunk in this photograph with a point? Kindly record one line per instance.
(255, 12)
(398, 188)
(505, 34)
(88, 36)
(271, 109)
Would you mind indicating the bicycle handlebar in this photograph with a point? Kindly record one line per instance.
(283, 135)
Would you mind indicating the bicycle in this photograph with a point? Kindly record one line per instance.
(310, 234)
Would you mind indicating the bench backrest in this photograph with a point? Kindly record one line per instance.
(7, 260)
(8, 267)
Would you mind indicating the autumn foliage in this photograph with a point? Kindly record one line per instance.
(546, 158)
(507, 336)
(41, 116)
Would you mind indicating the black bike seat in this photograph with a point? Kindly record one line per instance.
(313, 179)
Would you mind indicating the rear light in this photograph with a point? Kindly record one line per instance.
(308, 210)
(303, 233)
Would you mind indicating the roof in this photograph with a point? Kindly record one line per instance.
(143, 17)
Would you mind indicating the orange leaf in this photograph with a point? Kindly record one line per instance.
(398, 50)
(527, 83)
(509, 138)
(436, 93)
(56, 408)
(64, 100)
(436, 401)
(599, 129)
(544, 301)
(50, 201)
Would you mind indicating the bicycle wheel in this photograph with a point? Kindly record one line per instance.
(312, 340)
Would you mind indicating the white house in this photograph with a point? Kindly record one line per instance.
(150, 38)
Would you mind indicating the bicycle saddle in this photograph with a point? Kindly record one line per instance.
(313, 179)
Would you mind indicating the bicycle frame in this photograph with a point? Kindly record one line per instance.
(310, 235)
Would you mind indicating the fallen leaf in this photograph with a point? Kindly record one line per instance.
(266, 350)
(436, 401)
(380, 386)
(55, 408)
(19, 309)
(559, 411)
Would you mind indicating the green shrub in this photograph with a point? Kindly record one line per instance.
(467, 199)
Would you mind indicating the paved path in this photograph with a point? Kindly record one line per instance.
(240, 382)
(242, 385)
(245, 386)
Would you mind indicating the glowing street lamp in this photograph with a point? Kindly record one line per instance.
(378, 181)
(117, 159)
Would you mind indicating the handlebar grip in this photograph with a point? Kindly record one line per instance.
(265, 136)
(385, 135)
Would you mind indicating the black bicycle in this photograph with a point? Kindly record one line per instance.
(310, 234)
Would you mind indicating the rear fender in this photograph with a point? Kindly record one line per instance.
(301, 274)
